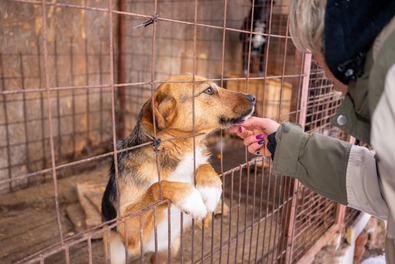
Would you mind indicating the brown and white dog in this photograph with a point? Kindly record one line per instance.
(194, 192)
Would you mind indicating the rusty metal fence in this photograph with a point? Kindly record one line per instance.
(74, 75)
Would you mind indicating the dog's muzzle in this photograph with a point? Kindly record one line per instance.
(251, 98)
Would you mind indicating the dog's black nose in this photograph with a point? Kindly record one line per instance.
(250, 98)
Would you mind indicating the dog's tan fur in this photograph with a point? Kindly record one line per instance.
(196, 193)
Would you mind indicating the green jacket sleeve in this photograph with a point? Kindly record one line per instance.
(319, 162)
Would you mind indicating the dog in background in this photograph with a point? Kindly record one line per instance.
(258, 16)
(196, 193)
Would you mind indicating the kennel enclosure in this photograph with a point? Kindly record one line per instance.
(74, 76)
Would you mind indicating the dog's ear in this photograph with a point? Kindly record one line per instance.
(165, 109)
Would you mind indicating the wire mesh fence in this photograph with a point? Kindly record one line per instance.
(74, 77)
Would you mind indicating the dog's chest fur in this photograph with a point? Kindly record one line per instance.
(181, 170)
(184, 172)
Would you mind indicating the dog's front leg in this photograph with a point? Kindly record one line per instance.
(209, 186)
(184, 195)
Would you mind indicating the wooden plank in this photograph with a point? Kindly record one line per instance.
(77, 216)
(89, 195)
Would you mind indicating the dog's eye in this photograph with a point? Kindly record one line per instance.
(209, 91)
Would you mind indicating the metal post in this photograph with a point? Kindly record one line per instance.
(121, 91)
(306, 62)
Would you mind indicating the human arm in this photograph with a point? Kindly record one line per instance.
(333, 168)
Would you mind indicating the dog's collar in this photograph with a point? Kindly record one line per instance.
(156, 142)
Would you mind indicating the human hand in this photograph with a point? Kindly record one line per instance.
(253, 131)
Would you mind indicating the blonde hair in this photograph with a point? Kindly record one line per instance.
(307, 19)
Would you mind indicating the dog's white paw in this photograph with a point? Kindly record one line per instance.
(210, 196)
(193, 205)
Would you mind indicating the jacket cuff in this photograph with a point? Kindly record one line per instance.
(272, 143)
(289, 135)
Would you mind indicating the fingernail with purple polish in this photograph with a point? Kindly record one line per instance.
(261, 142)
(260, 136)
(240, 129)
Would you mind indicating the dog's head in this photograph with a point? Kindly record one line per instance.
(183, 103)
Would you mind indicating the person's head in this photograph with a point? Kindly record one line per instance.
(307, 23)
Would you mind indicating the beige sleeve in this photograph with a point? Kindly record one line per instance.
(363, 184)
(383, 140)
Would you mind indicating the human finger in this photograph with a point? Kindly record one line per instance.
(257, 148)
(241, 131)
(265, 125)
(234, 129)
(256, 138)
